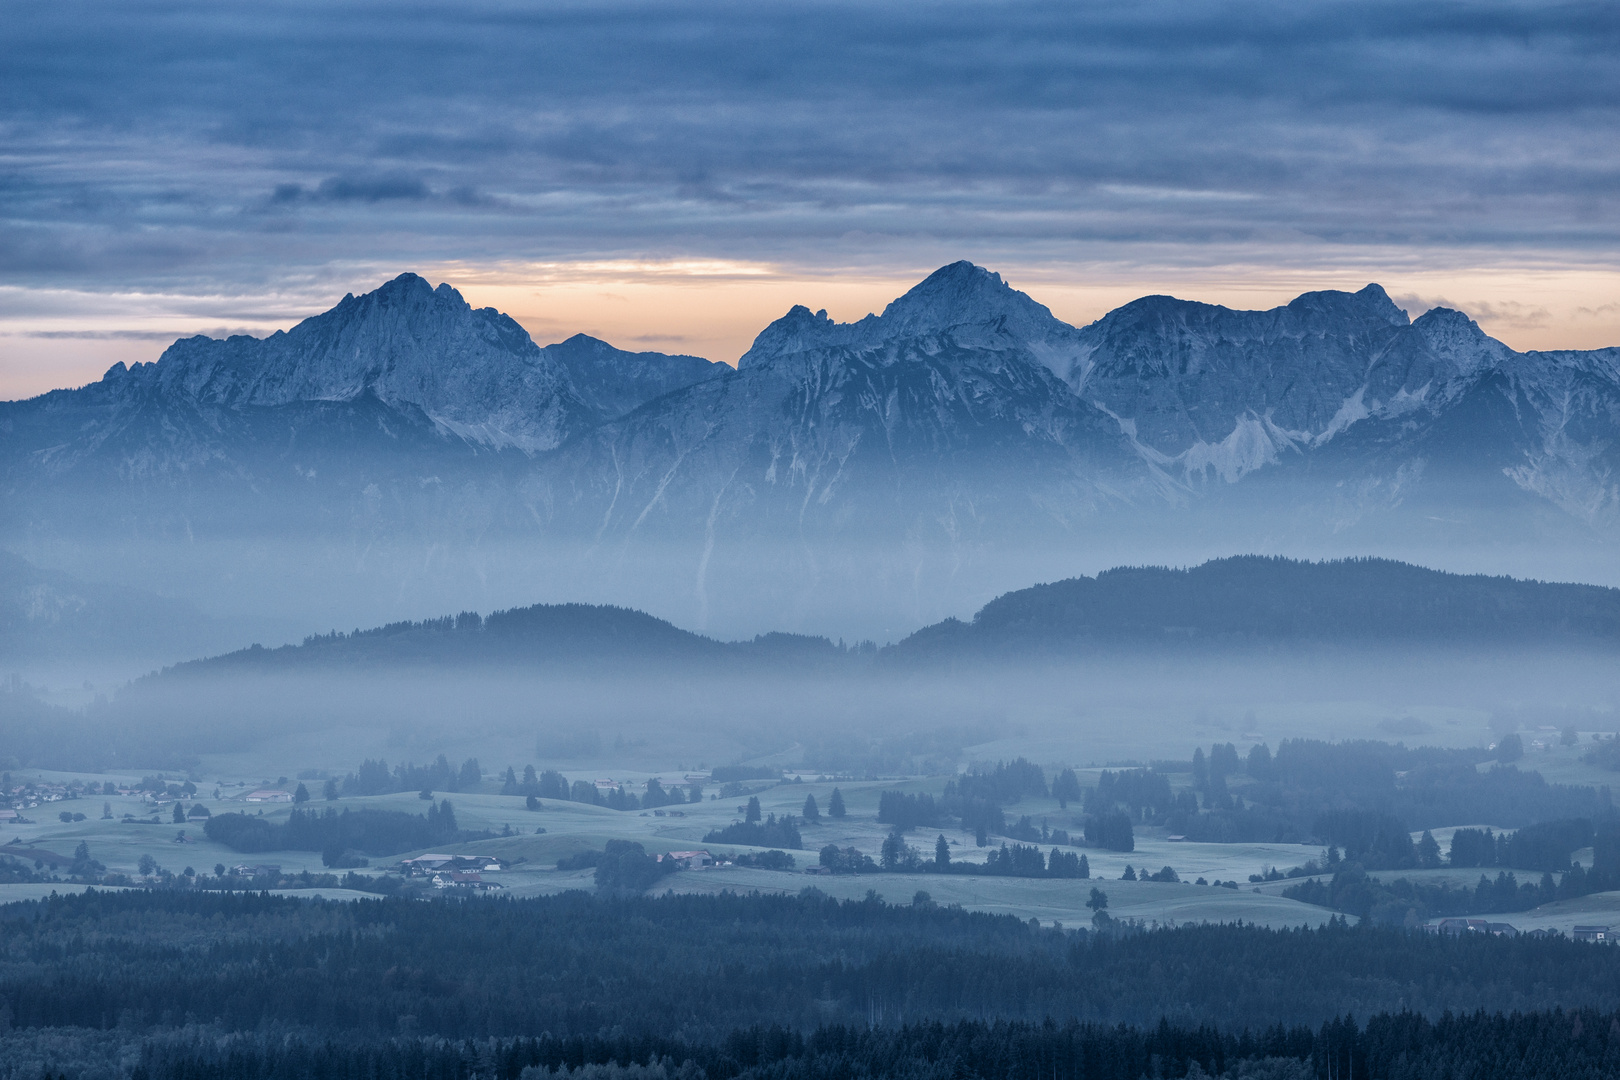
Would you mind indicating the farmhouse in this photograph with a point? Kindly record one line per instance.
(1592, 933)
(687, 860)
(462, 879)
(431, 864)
(268, 795)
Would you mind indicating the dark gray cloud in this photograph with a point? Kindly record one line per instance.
(162, 142)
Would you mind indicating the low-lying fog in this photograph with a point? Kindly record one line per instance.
(864, 720)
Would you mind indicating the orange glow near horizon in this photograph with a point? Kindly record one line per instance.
(714, 308)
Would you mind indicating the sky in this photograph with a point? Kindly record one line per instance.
(674, 175)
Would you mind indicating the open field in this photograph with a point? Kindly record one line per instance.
(574, 827)
(535, 840)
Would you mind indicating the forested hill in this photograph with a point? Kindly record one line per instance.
(578, 635)
(1237, 601)
(1256, 599)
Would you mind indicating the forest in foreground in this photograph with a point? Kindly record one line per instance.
(575, 987)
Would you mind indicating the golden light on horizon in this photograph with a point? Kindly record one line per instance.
(715, 307)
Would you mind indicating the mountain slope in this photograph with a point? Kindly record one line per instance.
(1243, 602)
(613, 382)
(1251, 600)
(421, 455)
(49, 616)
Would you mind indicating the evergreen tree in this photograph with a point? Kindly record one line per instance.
(1129, 874)
(942, 852)
(1066, 788)
(752, 813)
(301, 795)
(835, 805)
(179, 814)
(470, 777)
(330, 793)
(509, 784)
(812, 812)
(1428, 851)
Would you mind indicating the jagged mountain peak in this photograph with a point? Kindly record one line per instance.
(614, 382)
(1369, 302)
(971, 305)
(798, 331)
(414, 346)
(956, 294)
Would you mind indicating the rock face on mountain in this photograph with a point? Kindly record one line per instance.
(936, 418)
(613, 382)
(410, 345)
(962, 425)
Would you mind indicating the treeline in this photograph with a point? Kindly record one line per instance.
(551, 784)
(334, 834)
(1543, 1045)
(576, 965)
(1251, 598)
(374, 778)
(1546, 845)
(976, 799)
(1361, 796)
(899, 857)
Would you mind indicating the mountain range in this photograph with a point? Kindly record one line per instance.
(961, 442)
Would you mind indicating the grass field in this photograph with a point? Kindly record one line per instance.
(573, 827)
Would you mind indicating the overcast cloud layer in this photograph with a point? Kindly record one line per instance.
(225, 149)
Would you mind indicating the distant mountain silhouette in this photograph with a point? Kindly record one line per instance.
(575, 636)
(1242, 601)
(1257, 599)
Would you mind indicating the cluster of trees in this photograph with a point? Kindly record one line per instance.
(1379, 841)
(1546, 845)
(907, 811)
(1111, 830)
(1405, 903)
(1022, 860)
(1145, 791)
(577, 966)
(551, 784)
(1285, 797)
(369, 831)
(898, 857)
(374, 778)
(625, 869)
(976, 797)
(771, 832)
(1402, 901)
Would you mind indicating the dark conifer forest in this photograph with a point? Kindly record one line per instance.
(249, 985)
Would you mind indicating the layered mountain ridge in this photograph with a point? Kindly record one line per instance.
(896, 456)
